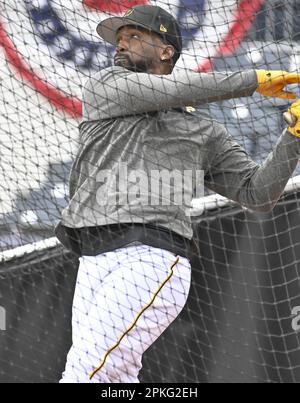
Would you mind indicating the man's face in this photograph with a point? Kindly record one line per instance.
(137, 49)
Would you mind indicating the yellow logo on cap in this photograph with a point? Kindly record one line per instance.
(162, 28)
(190, 109)
(128, 12)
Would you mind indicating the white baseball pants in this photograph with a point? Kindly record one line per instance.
(123, 302)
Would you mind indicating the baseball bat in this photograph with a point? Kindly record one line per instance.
(290, 119)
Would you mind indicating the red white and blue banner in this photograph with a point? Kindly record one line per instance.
(53, 45)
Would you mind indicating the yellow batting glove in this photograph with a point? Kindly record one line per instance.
(271, 83)
(295, 111)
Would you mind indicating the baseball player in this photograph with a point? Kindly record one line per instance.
(144, 153)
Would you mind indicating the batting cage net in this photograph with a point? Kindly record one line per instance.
(79, 139)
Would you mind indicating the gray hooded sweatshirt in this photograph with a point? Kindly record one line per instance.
(145, 154)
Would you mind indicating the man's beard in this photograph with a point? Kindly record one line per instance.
(140, 66)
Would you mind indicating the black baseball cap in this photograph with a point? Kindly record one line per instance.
(149, 17)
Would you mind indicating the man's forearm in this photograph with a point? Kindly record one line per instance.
(264, 188)
(151, 92)
(117, 92)
(235, 175)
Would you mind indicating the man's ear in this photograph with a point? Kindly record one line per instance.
(167, 53)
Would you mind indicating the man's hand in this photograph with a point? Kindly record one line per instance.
(271, 83)
(295, 111)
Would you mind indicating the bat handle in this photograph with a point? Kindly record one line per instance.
(290, 119)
